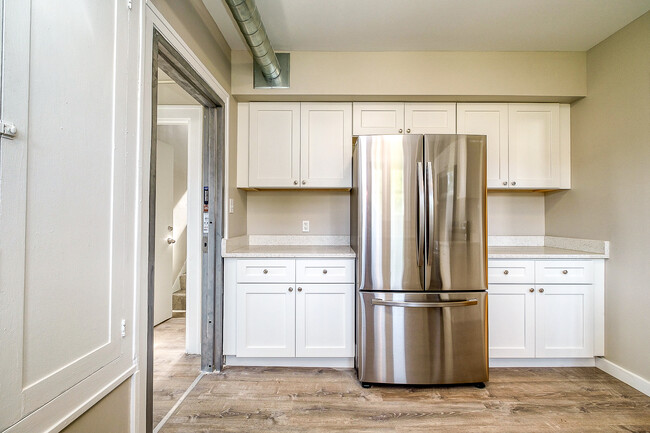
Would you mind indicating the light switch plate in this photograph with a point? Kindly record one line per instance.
(305, 226)
(231, 206)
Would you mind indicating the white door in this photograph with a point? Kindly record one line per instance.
(325, 320)
(421, 118)
(163, 279)
(326, 145)
(266, 320)
(377, 118)
(490, 120)
(565, 315)
(511, 316)
(274, 139)
(64, 214)
(534, 148)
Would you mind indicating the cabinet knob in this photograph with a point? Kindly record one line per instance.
(266, 271)
(565, 272)
(541, 290)
(291, 289)
(300, 289)
(505, 183)
(408, 130)
(506, 272)
(400, 131)
(324, 271)
(295, 182)
(531, 290)
(304, 182)
(513, 183)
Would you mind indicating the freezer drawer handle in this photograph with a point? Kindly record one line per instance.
(466, 303)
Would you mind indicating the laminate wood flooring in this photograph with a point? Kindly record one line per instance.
(252, 399)
(173, 370)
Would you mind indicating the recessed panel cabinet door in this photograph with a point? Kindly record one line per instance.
(534, 152)
(377, 118)
(511, 312)
(274, 138)
(565, 321)
(266, 320)
(490, 120)
(326, 145)
(65, 221)
(325, 320)
(420, 118)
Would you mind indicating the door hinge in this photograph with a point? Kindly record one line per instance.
(7, 130)
(123, 328)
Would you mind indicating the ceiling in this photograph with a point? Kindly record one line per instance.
(434, 25)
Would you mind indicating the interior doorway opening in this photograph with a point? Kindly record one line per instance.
(185, 230)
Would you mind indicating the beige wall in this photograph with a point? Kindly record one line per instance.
(236, 220)
(108, 415)
(509, 76)
(610, 199)
(515, 214)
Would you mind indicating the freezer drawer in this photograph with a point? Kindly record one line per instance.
(422, 338)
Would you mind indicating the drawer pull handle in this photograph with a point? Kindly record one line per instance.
(291, 289)
(300, 289)
(324, 271)
(506, 272)
(541, 290)
(266, 271)
(565, 272)
(531, 290)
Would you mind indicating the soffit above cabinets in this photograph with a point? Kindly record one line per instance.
(434, 25)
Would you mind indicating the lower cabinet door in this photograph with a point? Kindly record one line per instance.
(511, 319)
(325, 320)
(266, 320)
(565, 321)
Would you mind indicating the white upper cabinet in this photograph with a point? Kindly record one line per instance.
(274, 153)
(490, 120)
(376, 118)
(430, 118)
(534, 157)
(528, 145)
(326, 145)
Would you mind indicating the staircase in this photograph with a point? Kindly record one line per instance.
(178, 299)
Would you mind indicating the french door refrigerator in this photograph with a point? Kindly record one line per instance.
(418, 226)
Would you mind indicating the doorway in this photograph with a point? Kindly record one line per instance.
(185, 231)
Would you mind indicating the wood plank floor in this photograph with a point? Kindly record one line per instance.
(173, 370)
(250, 399)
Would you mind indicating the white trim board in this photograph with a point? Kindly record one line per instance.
(290, 362)
(542, 362)
(634, 380)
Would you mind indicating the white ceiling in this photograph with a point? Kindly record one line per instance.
(434, 25)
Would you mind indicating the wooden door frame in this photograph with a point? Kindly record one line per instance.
(167, 58)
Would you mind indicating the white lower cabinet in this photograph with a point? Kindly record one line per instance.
(545, 317)
(265, 320)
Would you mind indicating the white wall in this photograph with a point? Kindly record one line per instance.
(610, 198)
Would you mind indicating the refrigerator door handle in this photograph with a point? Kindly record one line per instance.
(431, 213)
(467, 303)
(421, 226)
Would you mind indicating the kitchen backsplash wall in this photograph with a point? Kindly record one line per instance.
(328, 213)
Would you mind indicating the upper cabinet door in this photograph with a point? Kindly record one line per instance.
(274, 159)
(326, 145)
(490, 120)
(377, 118)
(430, 118)
(534, 158)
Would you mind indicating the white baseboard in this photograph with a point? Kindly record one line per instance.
(290, 362)
(632, 379)
(542, 362)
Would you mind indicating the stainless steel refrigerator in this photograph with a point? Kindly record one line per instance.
(418, 226)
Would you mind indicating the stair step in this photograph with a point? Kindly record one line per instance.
(179, 300)
(183, 281)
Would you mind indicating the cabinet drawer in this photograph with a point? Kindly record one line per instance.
(564, 271)
(266, 271)
(325, 271)
(511, 271)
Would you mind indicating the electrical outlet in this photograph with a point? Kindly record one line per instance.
(231, 206)
(305, 226)
(123, 328)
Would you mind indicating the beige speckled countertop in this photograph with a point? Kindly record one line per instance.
(289, 251)
(539, 252)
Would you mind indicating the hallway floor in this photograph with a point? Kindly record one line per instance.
(173, 370)
(251, 399)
